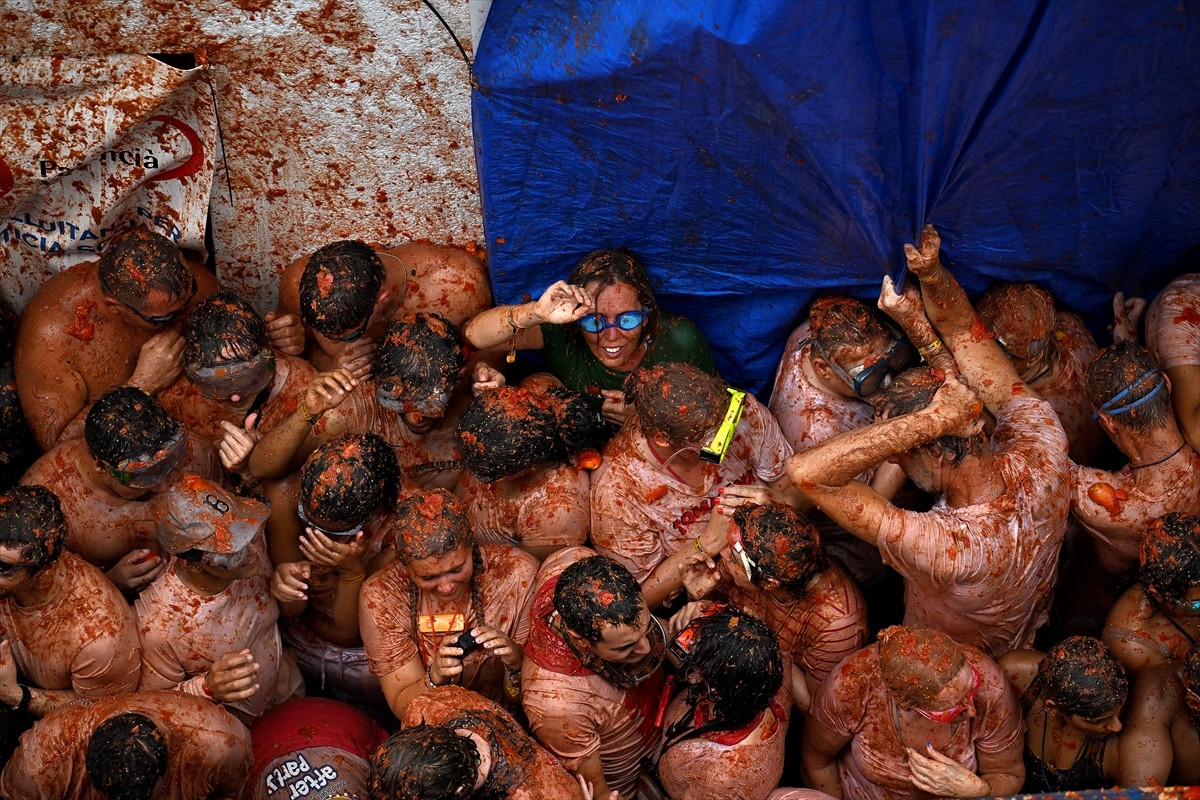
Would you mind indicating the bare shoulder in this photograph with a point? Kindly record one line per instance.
(58, 297)
(450, 281)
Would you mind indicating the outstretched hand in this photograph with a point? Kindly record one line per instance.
(1126, 316)
(925, 261)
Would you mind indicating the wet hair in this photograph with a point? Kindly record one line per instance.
(679, 402)
(348, 477)
(509, 429)
(140, 262)
(784, 545)
(430, 762)
(913, 390)
(18, 449)
(845, 329)
(32, 520)
(1127, 367)
(1169, 557)
(917, 663)
(127, 424)
(339, 287)
(423, 353)
(594, 592)
(510, 746)
(1191, 668)
(1081, 675)
(1019, 314)
(223, 328)
(608, 267)
(126, 757)
(739, 659)
(429, 524)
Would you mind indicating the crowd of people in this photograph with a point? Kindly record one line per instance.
(389, 541)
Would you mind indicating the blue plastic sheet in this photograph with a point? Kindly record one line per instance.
(759, 154)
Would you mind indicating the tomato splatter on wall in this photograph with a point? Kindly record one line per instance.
(340, 119)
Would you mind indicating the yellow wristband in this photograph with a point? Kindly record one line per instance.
(308, 415)
(699, 549)
(926, 350)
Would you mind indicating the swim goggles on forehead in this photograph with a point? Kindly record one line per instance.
(152, 471)
(1111, 407)
(626, 321)
(714, 451)
(308, 523)
(866, 379)
(245, 378)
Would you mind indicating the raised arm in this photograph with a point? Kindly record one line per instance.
(980, 360)
(835, 462)
(562, 303)
(907, 311)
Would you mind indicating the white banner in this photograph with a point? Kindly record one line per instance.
(90, 147)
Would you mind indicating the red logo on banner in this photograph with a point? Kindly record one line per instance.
(195, 160)
(6, 178)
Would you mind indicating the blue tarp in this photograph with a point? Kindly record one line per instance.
(757, 154)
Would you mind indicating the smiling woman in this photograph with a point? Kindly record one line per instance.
(441, 586)
(595, 328)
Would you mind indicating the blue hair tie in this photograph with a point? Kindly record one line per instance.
(1112, 409)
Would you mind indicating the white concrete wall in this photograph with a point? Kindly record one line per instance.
(341, 118)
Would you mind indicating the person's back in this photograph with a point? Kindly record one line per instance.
(1161, 742)
(198, 751)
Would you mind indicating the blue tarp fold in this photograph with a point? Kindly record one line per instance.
(759, 154)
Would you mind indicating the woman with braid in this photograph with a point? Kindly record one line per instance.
(441, 586)
(1072, 697)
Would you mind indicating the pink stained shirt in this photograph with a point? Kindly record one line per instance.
(808, 415)
(703, 769)
(984, 573)
(641, 514)
(576, 713)
(525, 514)
(854, 704)
(84, 638)
(1173, 324)
(818, 630)
(184, 632)
(386, 616)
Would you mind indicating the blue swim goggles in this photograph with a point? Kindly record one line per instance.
(626, 321)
